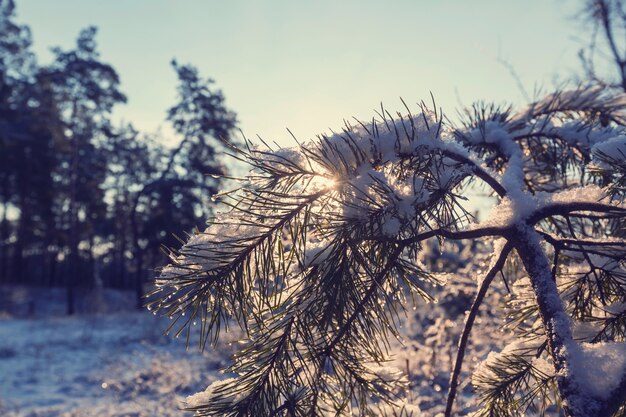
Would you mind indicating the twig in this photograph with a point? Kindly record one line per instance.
(469, 323)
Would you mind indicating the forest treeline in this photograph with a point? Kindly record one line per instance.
(86, 202)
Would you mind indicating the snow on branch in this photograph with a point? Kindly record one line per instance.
(317, 252)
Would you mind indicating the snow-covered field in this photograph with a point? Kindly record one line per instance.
(121, 365)
(110, 365)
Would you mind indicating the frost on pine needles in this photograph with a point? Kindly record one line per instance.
(317, 254)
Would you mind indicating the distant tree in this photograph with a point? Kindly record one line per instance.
(130, 163)
(204, 124)
(175, 200)
(85, 91)
(17, 62)
(27, 159)
(14, 55)
(317, 254)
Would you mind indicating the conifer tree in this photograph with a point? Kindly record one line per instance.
(85, 90)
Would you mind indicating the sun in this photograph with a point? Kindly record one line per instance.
(322, 182)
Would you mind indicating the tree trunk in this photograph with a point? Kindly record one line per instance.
(4, 238)
(137, 253)
(18, 271)
(122, 261)
(139, 282)
(52, 255)
(92, 262)
(121, 236)
(73, 232)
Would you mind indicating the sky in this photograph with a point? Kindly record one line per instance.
(308, 65)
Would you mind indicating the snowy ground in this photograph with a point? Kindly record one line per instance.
(114, 365)
(120, 364)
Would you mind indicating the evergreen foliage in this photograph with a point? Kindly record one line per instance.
(320, 251)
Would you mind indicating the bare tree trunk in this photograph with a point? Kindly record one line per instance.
(122, 239)
(73, 233)
(4, 235)
(18, 266)
(121, 267)
(137, 254)
(139, 283)
(92, 262)
(52, 255)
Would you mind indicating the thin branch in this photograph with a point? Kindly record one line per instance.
(460, 235)
(608, 32)
(473, 312)
(561, 242)
(480, 172)
(563, 209)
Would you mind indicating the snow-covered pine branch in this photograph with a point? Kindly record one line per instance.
(316, 258)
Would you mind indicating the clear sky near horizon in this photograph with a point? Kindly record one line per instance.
(307, 65)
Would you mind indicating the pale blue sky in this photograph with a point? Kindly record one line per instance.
(307, 65)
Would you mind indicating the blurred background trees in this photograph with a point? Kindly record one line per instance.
(85, 203)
